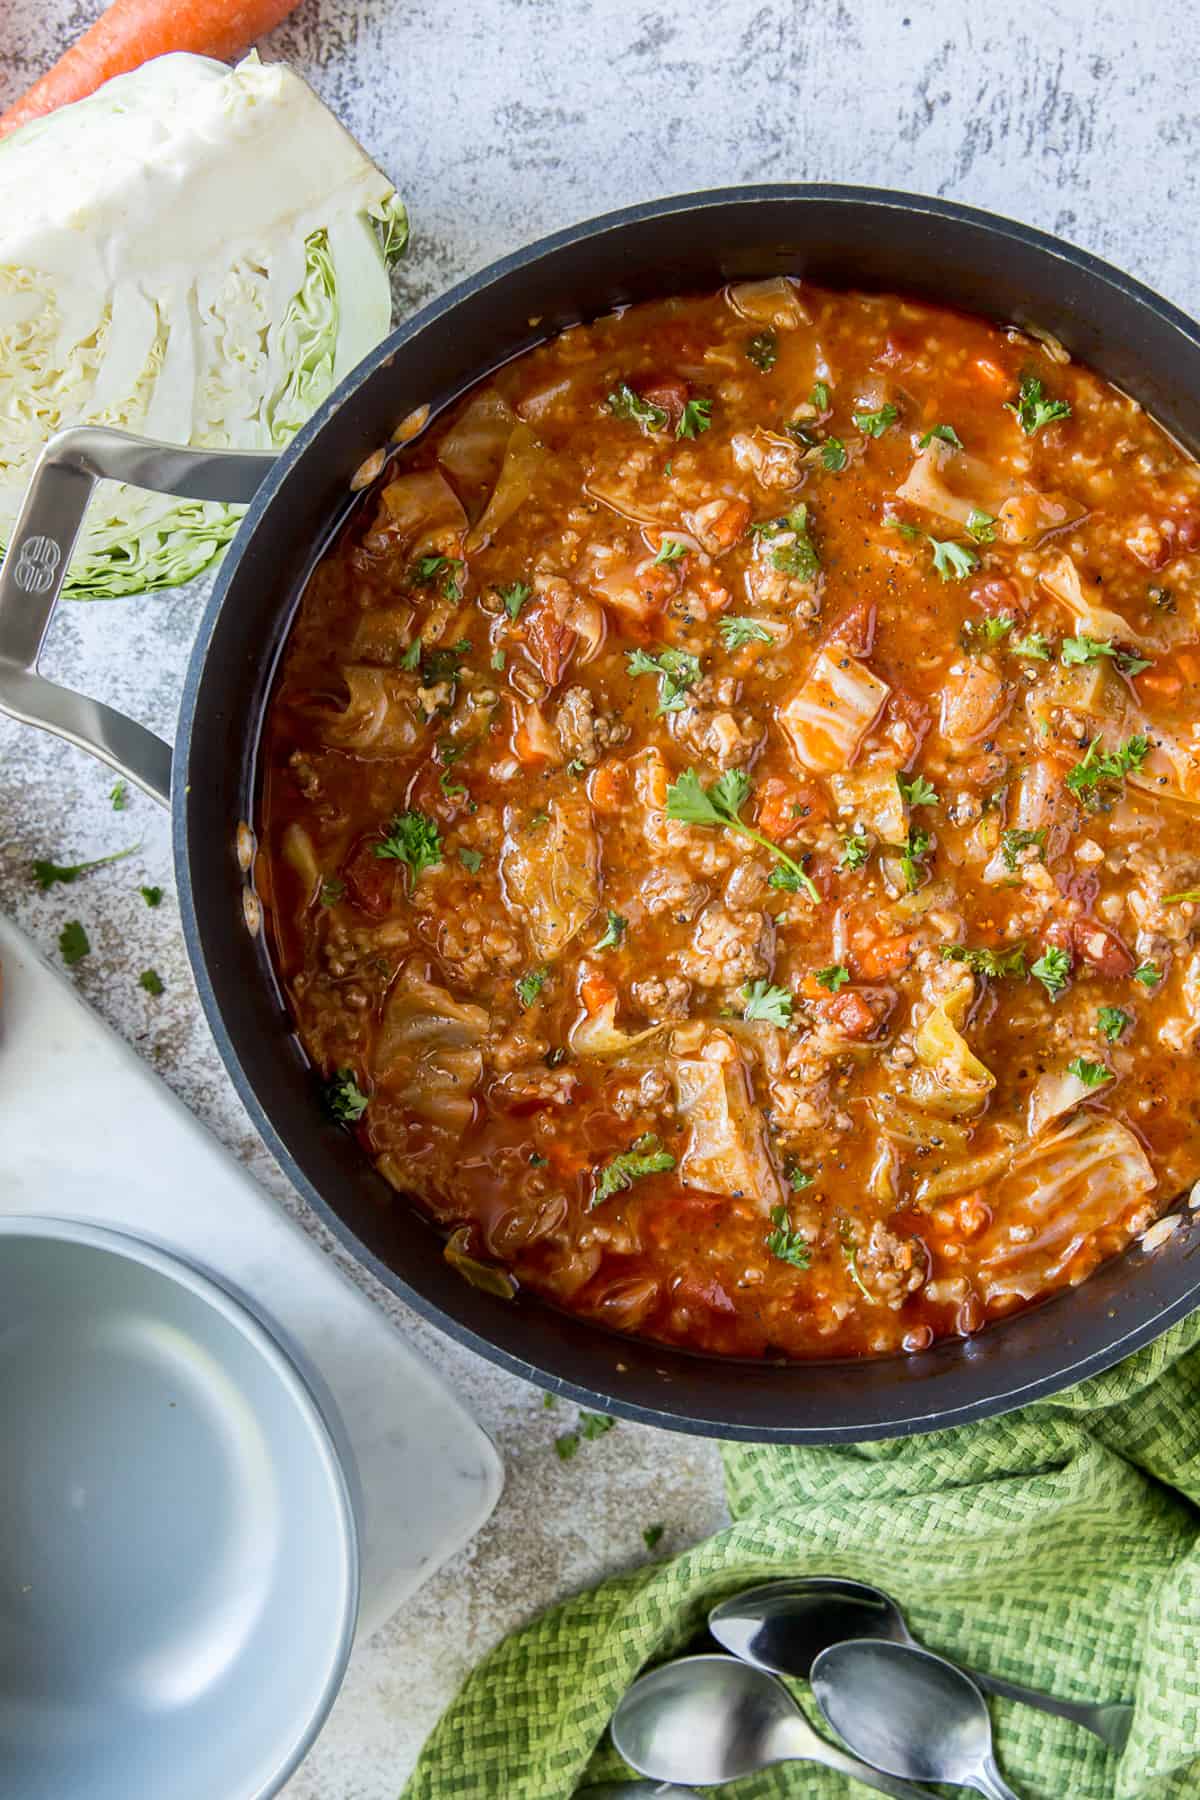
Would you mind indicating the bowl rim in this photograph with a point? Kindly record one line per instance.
(127, 1246)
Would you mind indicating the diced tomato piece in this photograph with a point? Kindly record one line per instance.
(1102, 948)
(783, 806)
(883, 956)
(669, 393)
(996, 594)
(607, 787)
(370, 880)
(855, 629)
(550, 642)
(659, 581)
(596, 990)
(1158, 684)
(990, 373)
(1187, 532)
(851, 1014)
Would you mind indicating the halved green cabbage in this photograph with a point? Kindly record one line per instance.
(194, 253)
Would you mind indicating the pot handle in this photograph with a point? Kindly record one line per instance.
(35, 566)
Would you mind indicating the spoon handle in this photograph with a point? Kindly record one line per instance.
(1109, 1723)
(988, 1780)
(816, 1749)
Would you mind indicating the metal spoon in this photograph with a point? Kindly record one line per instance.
(783, 1626)
(911, 1712)
(710, 1719)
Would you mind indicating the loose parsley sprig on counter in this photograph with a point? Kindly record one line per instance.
(47, 874)
(690, 803)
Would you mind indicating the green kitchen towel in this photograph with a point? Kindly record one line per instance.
(1058, 1546)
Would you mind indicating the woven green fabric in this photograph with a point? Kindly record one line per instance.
(1059, 1546)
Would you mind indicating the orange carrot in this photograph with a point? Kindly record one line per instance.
(990, 373)
(606, 790)
(885, 956)
(1161, 682)
(133, 31)
(596, 991)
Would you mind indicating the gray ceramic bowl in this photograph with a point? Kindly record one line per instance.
(178, 1555)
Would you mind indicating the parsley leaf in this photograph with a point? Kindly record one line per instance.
(412, 655)
(331, 891)
(720, 805)
(565, 1445)
(1100, 768)
(1148, 974)
(833, 455)
(1085, 649)
(414, 839)
(46, 874)
(1111, 1021)
(695, 418)
(442, 664)
(514, 597)
(593, 1425)
(151, 895)
(1052, 969)
(912, 853)
(73, 942)
(799, 558)
(856, 848)
(530, 985)
(1015, 839)
(1182, 897)
(763, 350)
(996, 963)
(981, 526)
(834, 977)
(471, 860)
(670, 551)
(874, 424)
(819, 396)
(119, 795)
(151, 980)
(786, 1244)
(738, 631)
(444, 571)
(677, 670)
(916, 790)
(772, 1005)
(1031, 407)
(984, 633)
(652, 1536)
(1034, 644)
(645, 1158)
(1092, 1074)
(623, 403)
(952, 561)
(344, 1098)
(799, 1179)
(614, 932)
(946, 433)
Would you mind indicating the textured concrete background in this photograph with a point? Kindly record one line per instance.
(501, 121)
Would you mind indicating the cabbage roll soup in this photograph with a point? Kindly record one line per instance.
(729, 823)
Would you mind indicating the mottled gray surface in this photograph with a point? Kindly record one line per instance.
(500, 122)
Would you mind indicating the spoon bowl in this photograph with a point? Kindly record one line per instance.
(910, 1713)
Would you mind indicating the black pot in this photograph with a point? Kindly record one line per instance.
(856, 237)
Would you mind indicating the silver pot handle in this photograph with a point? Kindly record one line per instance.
(33, 571)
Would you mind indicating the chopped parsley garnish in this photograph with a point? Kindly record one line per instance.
(414, 839)
(412, 655)
(647, 1157)
(819, 396)
(799, 1179)
(448, 754)
(677, 671)
(444, 571)
(73, 943)
(770, 1005)
(593, 1425)
(331, 891)
(798, 559)
(850, 1252)
(981, 526)
(442, 664)
(874, 424)
(834, 977)
(344, 1098)
(1034, 644)
(912, 853)
(1052, 969)
(614, 932)
(565, 1445)
(670, 551)
(695, 418)
(623, 403)
(763, 350)
(1111, 1021)
(498, 659)
(916, 790)
(577, 767)
(833, 455)
(986, 632)
(720, 805)
(119, 795)
(530, 985)
(471, 860)
(151, 895)
(46, 874)
(151, 980)
(1162, 598)
(945, 433)
(1148, 974)
(514, 597)
(1182, 897)
(1100, 768)
(737, 631)
(856, 848)
(952, 561)
(1089, 649)
(1015, 839)
(1031, 407)
(788, 1245)
(996, 963)
(1092, 1074)
(538, 1162)
(652, 1536)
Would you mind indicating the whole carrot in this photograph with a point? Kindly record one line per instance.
(131, 32)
